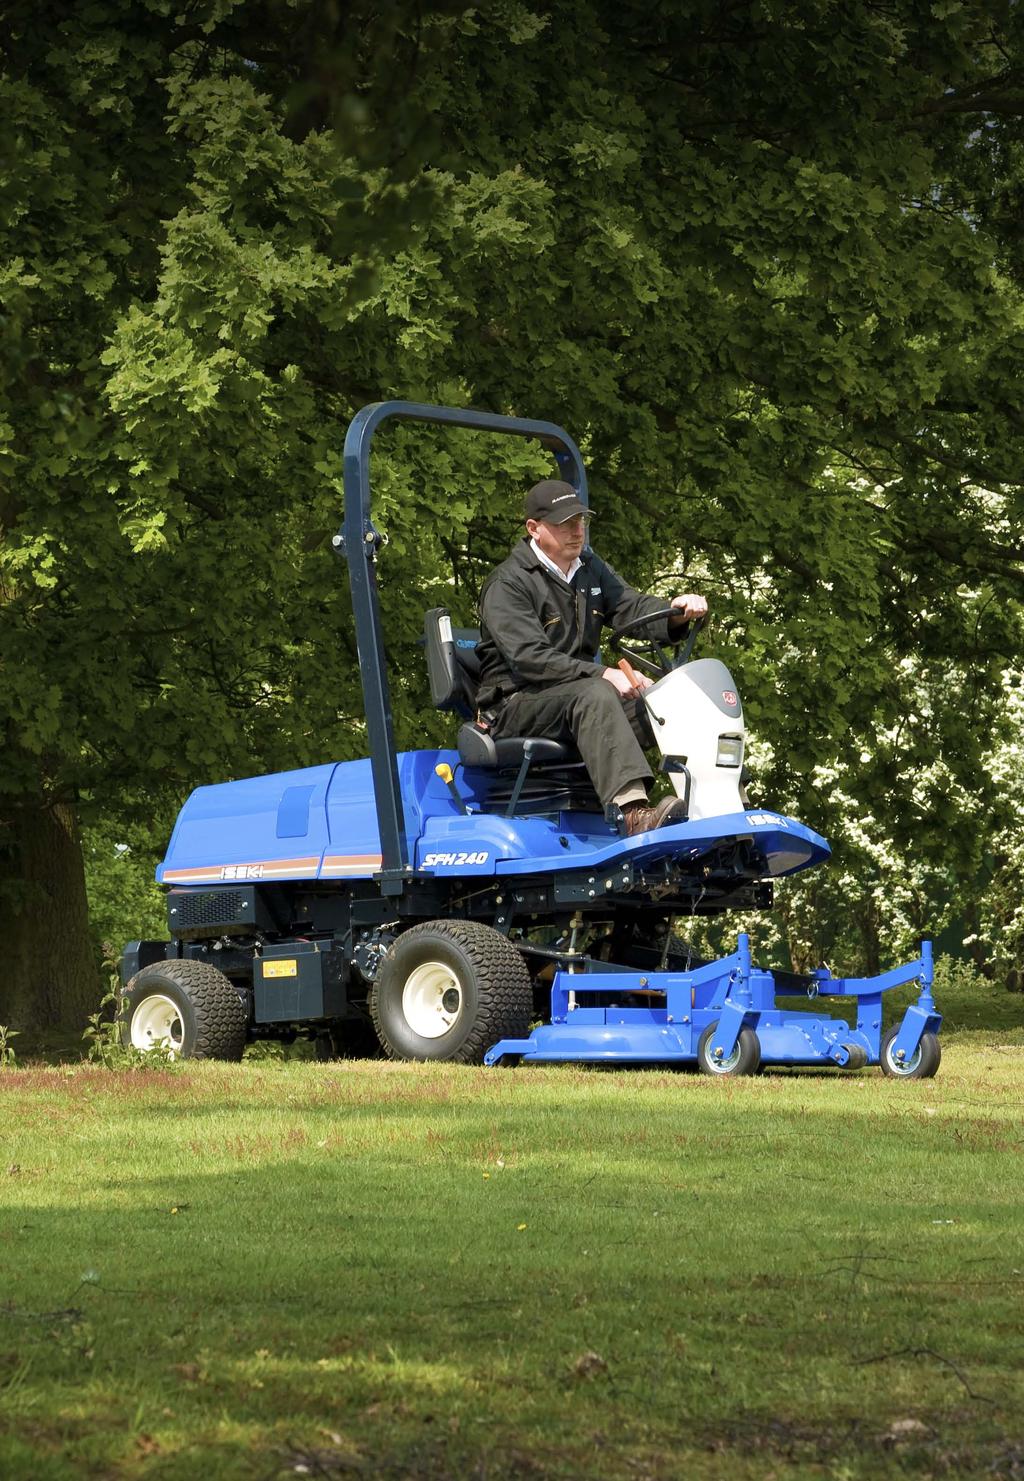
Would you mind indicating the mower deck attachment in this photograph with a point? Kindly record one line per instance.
(723, 1016)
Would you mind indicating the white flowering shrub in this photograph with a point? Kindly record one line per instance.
(996, 942)
(944, 855)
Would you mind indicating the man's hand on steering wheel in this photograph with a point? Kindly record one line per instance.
(688, 608)
(690, 611)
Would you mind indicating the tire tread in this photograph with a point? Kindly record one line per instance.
(504, 988)
(221, 1018)
(749, 1058)
(931, 1057)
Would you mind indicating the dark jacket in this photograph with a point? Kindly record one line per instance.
(537, 630)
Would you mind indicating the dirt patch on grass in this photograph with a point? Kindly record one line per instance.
(929, 1444)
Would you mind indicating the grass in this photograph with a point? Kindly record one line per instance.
(288, 1269)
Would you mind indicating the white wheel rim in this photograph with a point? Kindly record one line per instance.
(157, 1023)
(432, 1000)
(722, 1066)
(903, 1066)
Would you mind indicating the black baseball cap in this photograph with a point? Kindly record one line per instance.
(554, 501)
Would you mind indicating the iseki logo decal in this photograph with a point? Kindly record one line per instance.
(242, 871)
(729, 697)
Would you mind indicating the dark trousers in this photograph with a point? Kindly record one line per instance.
(608, 731)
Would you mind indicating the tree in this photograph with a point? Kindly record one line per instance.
(139, 541)
(759, 258)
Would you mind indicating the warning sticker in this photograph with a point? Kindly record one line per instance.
(287, 968)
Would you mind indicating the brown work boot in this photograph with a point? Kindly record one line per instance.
(641, 819)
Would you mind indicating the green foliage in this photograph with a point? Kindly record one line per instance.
(764, 264)
(967, 999)
(264, 1051)
(124, 901)
(104, 1045)
(995, 914)
(8, 1058)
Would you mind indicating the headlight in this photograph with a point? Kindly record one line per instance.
(730, 750)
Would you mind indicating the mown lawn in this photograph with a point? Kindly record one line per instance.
(287, 1269)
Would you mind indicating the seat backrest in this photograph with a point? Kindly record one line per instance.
(452, 663)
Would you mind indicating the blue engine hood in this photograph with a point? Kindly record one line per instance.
(320, 823)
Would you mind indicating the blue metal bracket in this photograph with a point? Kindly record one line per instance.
(921, 970)
(921, 1017)
(737, 1002)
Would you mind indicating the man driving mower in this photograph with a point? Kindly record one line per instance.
(541, 614)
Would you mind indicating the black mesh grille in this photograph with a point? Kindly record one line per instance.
(210, 908)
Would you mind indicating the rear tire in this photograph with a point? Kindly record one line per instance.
(448, 990)
(190, 1008)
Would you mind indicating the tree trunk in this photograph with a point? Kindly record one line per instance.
(48, 971)
(870, 939)
(977, 948)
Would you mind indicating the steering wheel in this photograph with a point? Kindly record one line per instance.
(651, 659)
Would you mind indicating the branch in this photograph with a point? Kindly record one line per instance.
(1012, 106)
(924, 1352)
(957, 465)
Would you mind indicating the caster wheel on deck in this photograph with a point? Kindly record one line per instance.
(744, 1059)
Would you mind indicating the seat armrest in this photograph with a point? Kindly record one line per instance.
(476, 746)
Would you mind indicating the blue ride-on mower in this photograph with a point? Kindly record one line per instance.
(477, 903)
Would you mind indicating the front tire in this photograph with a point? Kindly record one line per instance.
(744, 1059)
(448, 990)
(921, 1065)
(187, 1008)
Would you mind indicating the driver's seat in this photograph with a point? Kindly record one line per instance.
(532, 773)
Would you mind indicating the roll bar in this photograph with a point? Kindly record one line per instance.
(358, 541)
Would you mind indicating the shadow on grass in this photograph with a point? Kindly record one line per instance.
(531, 1288)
